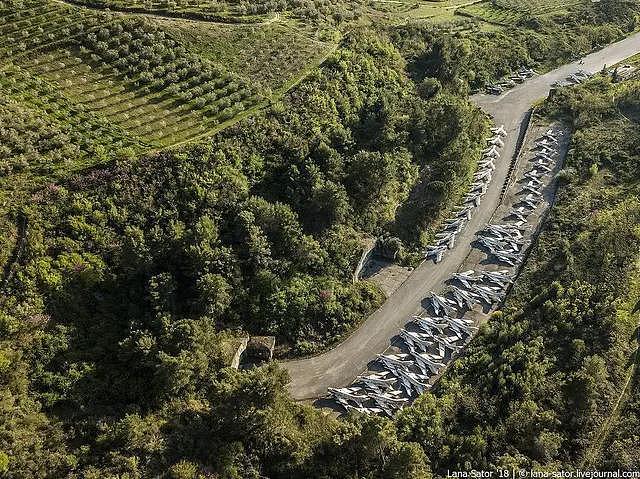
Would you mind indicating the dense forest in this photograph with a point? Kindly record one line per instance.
(114, 317)
(128, 277)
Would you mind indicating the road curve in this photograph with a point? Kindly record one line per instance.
(339, 366)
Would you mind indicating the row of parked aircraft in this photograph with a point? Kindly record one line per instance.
(506, 243)
(431, 342)
(446, 239)
(509, 82)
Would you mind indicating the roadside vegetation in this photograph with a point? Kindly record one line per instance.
(541, 380)
(619, 450)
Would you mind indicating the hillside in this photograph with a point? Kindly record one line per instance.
(177, 175)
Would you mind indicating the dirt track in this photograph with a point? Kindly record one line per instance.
(311, 377)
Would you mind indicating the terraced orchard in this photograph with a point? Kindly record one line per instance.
(203, 8)
(43, 136)
(235, 11)
(272, 55)
(125, 70)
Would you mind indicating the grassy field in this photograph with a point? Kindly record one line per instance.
(536, 6)
(81, 87)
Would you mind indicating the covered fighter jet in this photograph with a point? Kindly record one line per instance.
(463, 298)
(447, 239)
(496, 141)
(487, 163)
(534, 181)
(441, 306)
(511, 245)
(364, 410)
(429, 323)
(429, 363)
(542, 156)
(435, 252)
(484, 175)
(466, 278)
(501, 278)
(528, 72)
(459, 325)
(377, 381)
(454, 224)
(479, 188)
(542, 165)
(473, 198)
(390, 401)
(445, 342)
(574, 79)
(395, 361)
(583, 74)
(491, 152)
(411, 382)
(462, 326)
(355, 395)
(493, 292)
(533, 189)
(465, 213)
(481, 296)
(511, 259)
(543, 149)
(534, 173)
(421, 341)
(544, 144)
(530, 201)
(508, 229)
(550, 135)
(448, 344)
(500, 131)
(520, 213)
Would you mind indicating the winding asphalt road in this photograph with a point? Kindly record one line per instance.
(339, 366)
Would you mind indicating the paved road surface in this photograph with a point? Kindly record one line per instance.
(340, 365)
